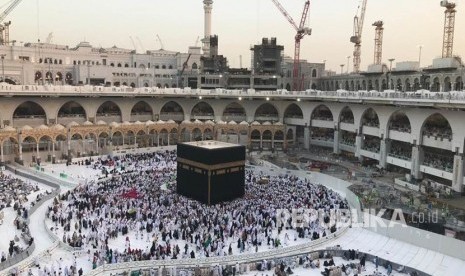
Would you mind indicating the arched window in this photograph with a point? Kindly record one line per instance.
(194, 66)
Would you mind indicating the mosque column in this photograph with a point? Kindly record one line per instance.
(68, 145)
(358, 145)
(97, 144)
(261, 141)
(307, 137)
(2, 160)
(38, 153)
(53, 152)
(457, 178)
(20, 146)
(417, 160)
(337, 139)
(384, 150)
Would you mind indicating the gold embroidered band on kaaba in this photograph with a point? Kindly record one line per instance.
(211, 167)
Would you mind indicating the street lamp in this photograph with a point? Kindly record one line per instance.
(419, 56)
(348, 62)
(342, 67)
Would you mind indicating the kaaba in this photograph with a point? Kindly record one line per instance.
(211, 171)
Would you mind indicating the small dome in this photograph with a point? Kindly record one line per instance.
(8, 129)
(73, 123)
(267, 123)
(149, 122)
(171, 122)
(58, 127)
(126, 123)
(255, 123)
(197, 121)
(233, 123)
(114, 124)
(221, 122)
(138, 123)
(160, 122)
(210, 122)
(87, 123)
(186, 122)
(26, 127)
(101, 123)
(278, 124)
(244, 123)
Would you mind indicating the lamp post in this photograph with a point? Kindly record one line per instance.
(419, 56)
(3, 67)
(348, 62)
(342, 67)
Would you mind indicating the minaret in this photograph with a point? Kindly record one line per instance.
(207, 6)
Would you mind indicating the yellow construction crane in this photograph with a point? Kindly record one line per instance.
(357, 36)
(378, 42)
(449, 26)
(5, 27)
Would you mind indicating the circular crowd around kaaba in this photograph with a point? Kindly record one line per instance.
(135, 214)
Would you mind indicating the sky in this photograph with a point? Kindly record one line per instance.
(240, 24)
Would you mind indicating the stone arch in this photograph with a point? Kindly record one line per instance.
(234, 112)
(290, 135)
(279, 135)
(322, 112)
(202, 111)
(172, 111)
(408, 86)
(293, 111)
(141, 111)
(314, 73)
(29, 113)
(208, 134)
(346, 116)
(109, 112)
(370, 118)
(255, 135)
(458, 84)
(416, 84)
(436, 85)
(447, 84)
(197, 134)
(71, 111)
(399, 121)
(266, 112)
(436, 125)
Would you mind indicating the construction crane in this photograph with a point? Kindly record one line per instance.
(357, 36)
(161, 42)
(449, 26)
(197, 41)
(140, 44)
(184, 66)
(5, 28)
(378, 42)
(301, 32)
(133, 44)
(49, 38)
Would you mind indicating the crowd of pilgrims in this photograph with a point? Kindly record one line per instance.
(138, 200)
(13, 194)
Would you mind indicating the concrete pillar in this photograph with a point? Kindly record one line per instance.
(20, 145)
(307, 138)
(384, 150)
(457, 180)
(2, 160)
(337, 139)
(358, 145)
(417, 160)
(53, 152)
